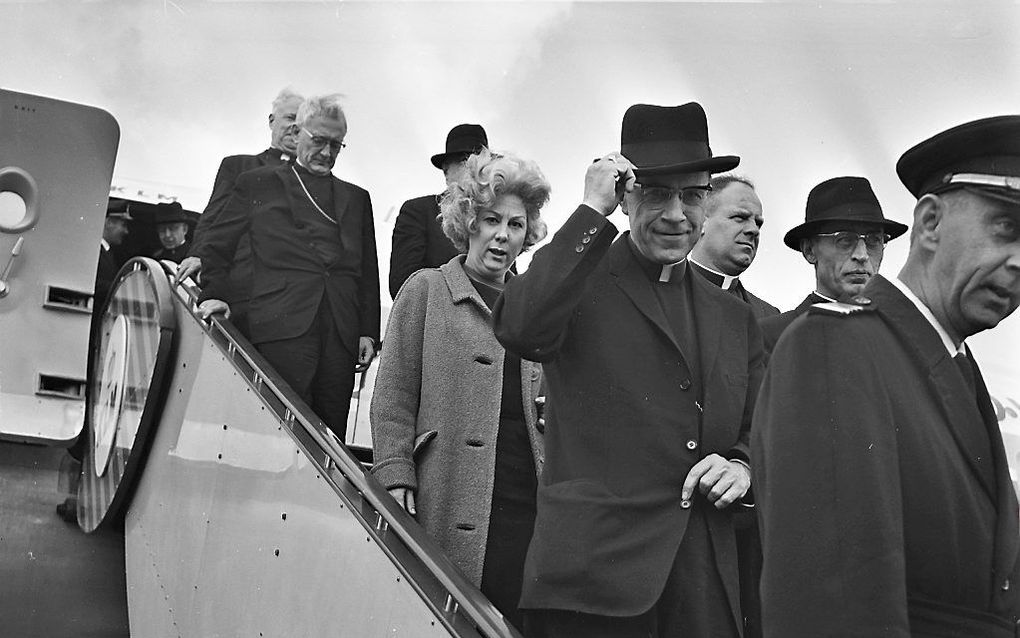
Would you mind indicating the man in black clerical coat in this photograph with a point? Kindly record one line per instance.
(172, 230)
(652, 374)
(418, 238)
(282, 146)
(843, 236)
(314, 310)
(729, 239)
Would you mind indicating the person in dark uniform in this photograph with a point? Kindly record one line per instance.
(651, 374)
(843, 236)
(444, 379)
(172, 230)
(282, 147)
(115, 229)
(314, 310)
(418, 238)
(883, 488)
(729, 239)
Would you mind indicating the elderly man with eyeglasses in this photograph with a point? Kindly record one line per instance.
(884, 495)
(843, 236)
(652, 373)
(314, 312)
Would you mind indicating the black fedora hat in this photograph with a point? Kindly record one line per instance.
(665, 140)
(841, 199)
(169, 213)
(463, 140)
(984, 153)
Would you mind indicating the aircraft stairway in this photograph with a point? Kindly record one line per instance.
(242, 514)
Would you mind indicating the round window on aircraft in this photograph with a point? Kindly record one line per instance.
(12, 209)
(18, 197)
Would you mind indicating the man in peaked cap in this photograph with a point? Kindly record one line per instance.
(843, 236)
(652, 374)
(418, 238)
(883, 491)
(172, 230)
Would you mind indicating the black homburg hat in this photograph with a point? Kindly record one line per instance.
(667, 140)
(841, 199)
(168, 213)
(983, 154)
(463, 140)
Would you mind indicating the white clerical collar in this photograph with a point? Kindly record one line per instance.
(727, 280)
(667, 270)
(105, 244)
(927, 314)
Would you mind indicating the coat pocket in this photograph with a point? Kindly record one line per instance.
(421, 442)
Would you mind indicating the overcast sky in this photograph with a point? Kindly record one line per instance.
(802, 91)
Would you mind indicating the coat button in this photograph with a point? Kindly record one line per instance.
(534, 374)
(692, 445)
(586, 240)
(685, 504)
(578, 248)
(686, 383)
(593, 230)
(1005, 585)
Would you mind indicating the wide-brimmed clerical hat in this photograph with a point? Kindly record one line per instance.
(841, 199)
(983, 154)
(667, 140)
(462, 140)
(118, 209)
(168, 213)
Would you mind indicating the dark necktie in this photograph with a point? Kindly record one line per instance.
(963, 363)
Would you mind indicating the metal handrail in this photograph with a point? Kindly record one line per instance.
(456, 601)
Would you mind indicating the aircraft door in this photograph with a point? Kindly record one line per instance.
(56, 162)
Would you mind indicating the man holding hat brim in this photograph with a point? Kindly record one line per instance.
(843, 236)
(652, 374)
(172, 230)
(418, 238)
(883, 489)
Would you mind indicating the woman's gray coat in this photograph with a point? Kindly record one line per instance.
(441, 370)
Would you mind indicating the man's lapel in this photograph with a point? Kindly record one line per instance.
(341, 197)
(958, 404)
(634, 283)
(708, 323)
(1007, 532)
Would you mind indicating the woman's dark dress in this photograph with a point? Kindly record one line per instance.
(512, 519)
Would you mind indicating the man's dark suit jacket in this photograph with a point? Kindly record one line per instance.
(418, 241)
(623, 426)
(759, 306)
(230, 168)
(290, 278)
(881, 481)
(773, 327)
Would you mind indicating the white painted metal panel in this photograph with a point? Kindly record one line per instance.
(232, 531)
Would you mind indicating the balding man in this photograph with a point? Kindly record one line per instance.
(282, 147)
(729, 239)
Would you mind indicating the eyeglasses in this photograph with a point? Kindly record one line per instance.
(659, 196)
(846, 240)
(321, 141)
